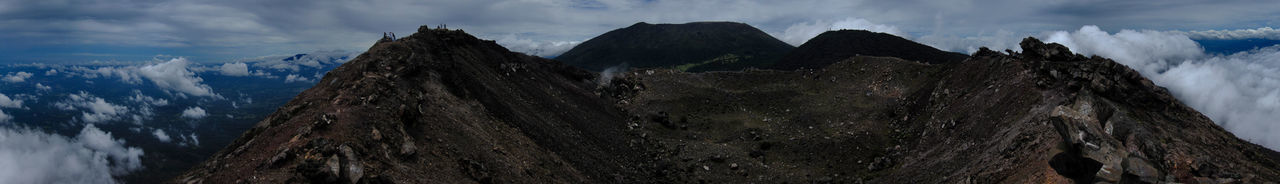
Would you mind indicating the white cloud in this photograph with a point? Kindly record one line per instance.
(263, 74)
(296, 62)
(221, 27)
(1240, 92)
(97, 109)
(5, 118)
(194, 113)
(7, 102)
(1237, 34)
(147, 100)
(235, 69)
(51, 72)
(1146, 51)
(999, 41)
(173, 75)
(126, 74)
(536, 48)
(295, 78)
(144, 109)
(28, 156)
(160, 135)
(43, 87)
(190, 139)
(799, 33)
(16, 77)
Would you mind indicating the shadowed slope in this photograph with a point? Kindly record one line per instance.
(696, 46)
(834, 46)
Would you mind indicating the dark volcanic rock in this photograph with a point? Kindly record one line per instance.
(443, 106)
(696, 46)
(834, 46)
(446, 107)
(1047, 51)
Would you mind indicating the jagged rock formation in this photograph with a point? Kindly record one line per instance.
(695, 46)
(835, 46)
(442, 106)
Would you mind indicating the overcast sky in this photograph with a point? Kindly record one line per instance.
(219, 31)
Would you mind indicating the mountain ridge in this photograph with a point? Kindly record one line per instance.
(700, 46)
(834, 46)
(441, 105)
(340, 129)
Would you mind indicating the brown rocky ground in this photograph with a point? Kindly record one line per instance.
(441, 106)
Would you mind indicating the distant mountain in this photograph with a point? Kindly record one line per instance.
(696, 46)
(441, 106)
(834, 46)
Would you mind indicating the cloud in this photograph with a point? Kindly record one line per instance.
(173, 75)
(1146, 51)
(296, 62)
(94, 156)
(15, 78)
(5, 118)
(190, 139)
(126, 74)
(241, 28)
(1240, 92)
(536, 48)
(97, 109)
(234, 69)
(295, 78)
(7, 102)
(147, 100)
(160, 135)
(1237, 34)
(194, 113)
(43, 87)
(51, 72)
(998, 40)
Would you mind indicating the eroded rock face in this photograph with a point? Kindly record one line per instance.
(1047, 51)
(442, 106)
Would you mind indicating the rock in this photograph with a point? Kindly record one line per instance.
(354, 168)
(733, 166)
(407, 148)
(1032, 48)
(332, 169)
(1142, 169)
(280, 157)
(880, 163)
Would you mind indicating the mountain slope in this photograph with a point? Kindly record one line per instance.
(439, 105)
(834, 46)
(1042, 116)
(698, 46)
(442, 106)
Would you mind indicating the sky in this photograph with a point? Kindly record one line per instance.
(76, 31)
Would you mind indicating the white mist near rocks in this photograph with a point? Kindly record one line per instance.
(1240, 92)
